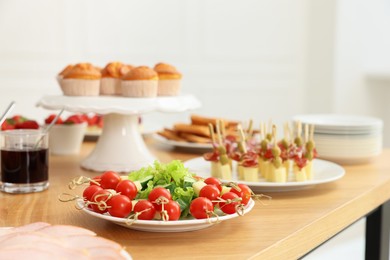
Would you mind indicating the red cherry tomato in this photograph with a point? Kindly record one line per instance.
(214, 181)
(89, 191)
(211, 192)
(109, 180)
(127, 188)
(201, 208)
(157, 195)
(119, 206)
(101, 197)
(232, 201)
(172, 210)
(95, 180)
(146, 210)
(245, 193)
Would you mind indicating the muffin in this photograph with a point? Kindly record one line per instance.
(110, 84)
(60, 75)
(169, 80)
(141, 81)
(82, 80)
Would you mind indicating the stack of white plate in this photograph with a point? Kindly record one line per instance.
(346, 139)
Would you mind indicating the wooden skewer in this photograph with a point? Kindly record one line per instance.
(306, 133)
(250, 128)
(242, 138)
(222, 128)
(262, 131)
(274, 134)
(211, 129)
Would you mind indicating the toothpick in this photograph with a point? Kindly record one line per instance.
(222, 128)
(219, 133)
(242, 138)
(250, 128)
(211, 129)
(306, 133)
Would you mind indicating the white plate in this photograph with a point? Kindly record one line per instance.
(166, 226)
(323, 172)
(338, 122)
(187, 145)
(120, 105)
(123, 252)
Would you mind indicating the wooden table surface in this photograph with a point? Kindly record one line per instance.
(289, 226)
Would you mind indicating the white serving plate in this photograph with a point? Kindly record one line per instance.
(165, 226)
(185, 145)
(324, 172)
(340, 123)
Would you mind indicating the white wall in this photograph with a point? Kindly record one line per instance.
(242, 59)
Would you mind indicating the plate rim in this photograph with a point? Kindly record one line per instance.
(263, 184)
(136, 224)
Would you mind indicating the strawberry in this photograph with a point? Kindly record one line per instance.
(93, 120)
(18, 118)
(8, 125)
(28, 124)
(51, 117)
(100, 122)
(74, 119)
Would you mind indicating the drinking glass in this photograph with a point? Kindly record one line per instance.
(24, 161)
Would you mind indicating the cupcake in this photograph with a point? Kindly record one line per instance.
(60, 75)
(141, 81)
(110, 84)
(82, 80)
(169, 80)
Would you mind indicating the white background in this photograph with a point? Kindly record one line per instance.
(248, 59)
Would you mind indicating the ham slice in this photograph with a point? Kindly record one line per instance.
(44, 241)
(65, 230)
(26, 228)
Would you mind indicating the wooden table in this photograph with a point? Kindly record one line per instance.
(288, 227)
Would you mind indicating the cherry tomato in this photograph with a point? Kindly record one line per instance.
(201, 207)
(127, 188)
(211, 192)
(245, 193)
(214, 181)
(109, 180)
(89, 191)
(95, 180)
(119, 206)
(172, 210)
(232, 201)
(102, 196)
(157, 195)
(146, 209)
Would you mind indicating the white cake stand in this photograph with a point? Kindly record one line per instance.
(120, 146)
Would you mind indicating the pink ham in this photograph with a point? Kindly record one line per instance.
(26, 228)
(105, 253)
(27, 253)
(88, 242)
(43, 241)
(65, 230)
(50, 249)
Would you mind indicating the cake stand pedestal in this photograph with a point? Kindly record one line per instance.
(120, 146)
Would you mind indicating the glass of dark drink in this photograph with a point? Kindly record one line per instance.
(24, 161)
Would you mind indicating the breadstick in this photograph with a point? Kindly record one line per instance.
(195, 138)
(201, 130)
(170, 136)
(202, 120)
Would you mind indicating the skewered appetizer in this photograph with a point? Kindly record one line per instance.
(220, 162)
